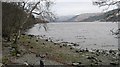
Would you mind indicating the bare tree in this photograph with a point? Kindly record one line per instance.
(108, 4)
(114, 14)
(16, 16)
(40, 8)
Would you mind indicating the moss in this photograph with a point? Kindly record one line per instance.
(5, 60)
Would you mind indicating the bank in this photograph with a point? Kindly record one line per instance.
(31, 49)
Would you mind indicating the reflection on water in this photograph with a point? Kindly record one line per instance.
(43, 25)
(87, 35)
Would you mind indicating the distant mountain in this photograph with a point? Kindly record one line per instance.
(63, 18)
(92, 17)
(81, 17)
(98, 17)
(103, 17)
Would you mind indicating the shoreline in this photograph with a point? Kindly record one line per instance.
(61, 53)
(72, 44)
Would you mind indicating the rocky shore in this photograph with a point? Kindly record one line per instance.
(32, 49)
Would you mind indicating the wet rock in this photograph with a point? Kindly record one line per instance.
(72, 43)
(36, 40)
(18, 38)
(112, 52)
(100, 60)
(119, 54)
(18, 55)
(55, 43)
(80, 62)
(60, 46)
(46, 54)
(41, 56)
(43, 43)
(51, 41)
(119, 48)
(71, 48)
(96, 63)
(65, 45)
(31, 47)
(29, 42)
(31, 35)
(97, 51)
(75, 64)
(37, 55)
(26, 63)
(77, 51)
(90, 57)
(22, 34)
(82, 50)
(46, 40)
(75, 44)
(87, 50)
(103, 52)
(12, 49)
(113, 63)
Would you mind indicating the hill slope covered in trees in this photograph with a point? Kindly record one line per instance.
(102, 17)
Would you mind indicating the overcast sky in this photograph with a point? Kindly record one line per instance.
(74, 7)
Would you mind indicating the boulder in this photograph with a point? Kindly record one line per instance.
(60, 46)
(18, 55)
(31, 35)
(75, 44)
(36, 40)
(75, 63)
(113, 63)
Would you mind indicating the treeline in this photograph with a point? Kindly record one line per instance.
(113, 15)
(12, 17)
(110, 16)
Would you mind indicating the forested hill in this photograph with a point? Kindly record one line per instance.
(85, 17)
(110, 16)
(113, 15)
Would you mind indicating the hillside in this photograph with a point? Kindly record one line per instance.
(63, 18)
(81, 17)
(113, 15)
(103, 17)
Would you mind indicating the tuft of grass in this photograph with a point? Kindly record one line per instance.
(5, 60)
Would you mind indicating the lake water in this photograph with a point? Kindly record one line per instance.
(91, 35)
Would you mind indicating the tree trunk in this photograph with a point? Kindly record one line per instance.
(8, 39)
(16, 38)
(21, 27)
